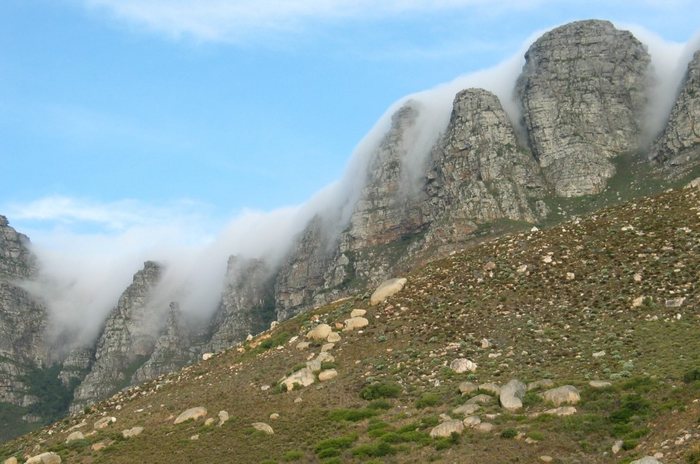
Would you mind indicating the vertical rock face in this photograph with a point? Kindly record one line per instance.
(678, 147)
(126, 342)
(480, 172)
(171, 350)
(247, 303)
(582, 92)
(22, 319)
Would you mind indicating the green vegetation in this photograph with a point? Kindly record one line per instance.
(352, 415)
(380, 390)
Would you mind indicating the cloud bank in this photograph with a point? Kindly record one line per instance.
(91, 253)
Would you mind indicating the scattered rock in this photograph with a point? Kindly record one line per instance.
(327, 347)
(132, 432)
(301, 346)
(99, 446)
(12, 460)
(544, 383)
(263, 427)
(223, 418)
(210, 421)
(490, 266)
(194, 437)
(480, 399)
(355, 323)
(467, 388)
(327, 375)
(461, 365)
(191, 414)
(617, 446)
(466, 409)
(491, 388)
(545, 458)
(568, 394)
(471, 421)
(561, 411)
(320, 332)
(315, 364)
(447, 428)
(104, 422)
(570, 276)
(75, 436)
(639, 301)
(387, 289)
(512, 395)
(599, 354)
(303, 377)
(207, 356)
(675, 303)
(333, 337)
(599, 384)
(44, 458)
(274, 416)
(358, 312)
(646, 460)
(484, 427)
(485, 343)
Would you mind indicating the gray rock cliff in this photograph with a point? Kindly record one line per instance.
(678, 147)
(583, 92)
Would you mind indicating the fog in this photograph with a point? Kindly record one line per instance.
(83, 274)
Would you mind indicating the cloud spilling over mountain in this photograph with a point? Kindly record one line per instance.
(83, 271)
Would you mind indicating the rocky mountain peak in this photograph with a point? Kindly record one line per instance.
(16, 260)
(582, 92)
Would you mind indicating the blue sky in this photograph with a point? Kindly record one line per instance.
(116, 112)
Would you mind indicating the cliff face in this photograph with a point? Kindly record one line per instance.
(126, 342)
(247, 303)
(23, 345)
(583, 92)
(678, 147)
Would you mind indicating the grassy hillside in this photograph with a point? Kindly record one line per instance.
(612, 296)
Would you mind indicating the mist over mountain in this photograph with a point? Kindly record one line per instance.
(564, 118)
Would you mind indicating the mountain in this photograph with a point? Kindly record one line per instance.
(576, 147)
(596, 316)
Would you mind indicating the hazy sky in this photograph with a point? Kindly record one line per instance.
(115, 112)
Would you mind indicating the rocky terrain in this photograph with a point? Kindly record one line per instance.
(582, 95)
(575, 343)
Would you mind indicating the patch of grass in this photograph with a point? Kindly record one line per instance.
(444, 443)
(333, 447)
(509, 433)
(293, 455)
(427, 400)
(532, 398)
(691, 376)
(352, 415)
(380, 404)
(374, 450)
(380, 390)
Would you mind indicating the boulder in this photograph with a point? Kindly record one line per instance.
(512, 395)
(447, 428)
(11, 460)
(207, 356)
(263, 427)
(358, 312)
(327, 375)
(561, 411)
(333, 337)
(387, 289)
(355, 323)
(484, 427)
(646, 460)
(467, 388)
(327, 347)
(466, 409)
(303, 377)
(132, 432)
(315, 364)
(100, 445)
(44, 458)
(223, 417)
(599, 384)
(75, 436)
(480, 399)
(471, 421)
(491, 388)
(462, 365)
(544, 383)
(209, 422)
(301, 346)
(104, 422)
(568, 394)
(320, 332)
(191, 414)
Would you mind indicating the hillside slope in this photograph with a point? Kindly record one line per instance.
(610, 297)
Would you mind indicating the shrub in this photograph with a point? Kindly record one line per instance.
(427, 400)
(691, 376)
(352, 415)
(293, 455)
(332, 447)
(509, 433)
(380, 390)
(374, 450)
(380, 404)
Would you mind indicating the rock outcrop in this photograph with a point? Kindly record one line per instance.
(126, 342)
(583, 92)
(247, 303)
(678, 147)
